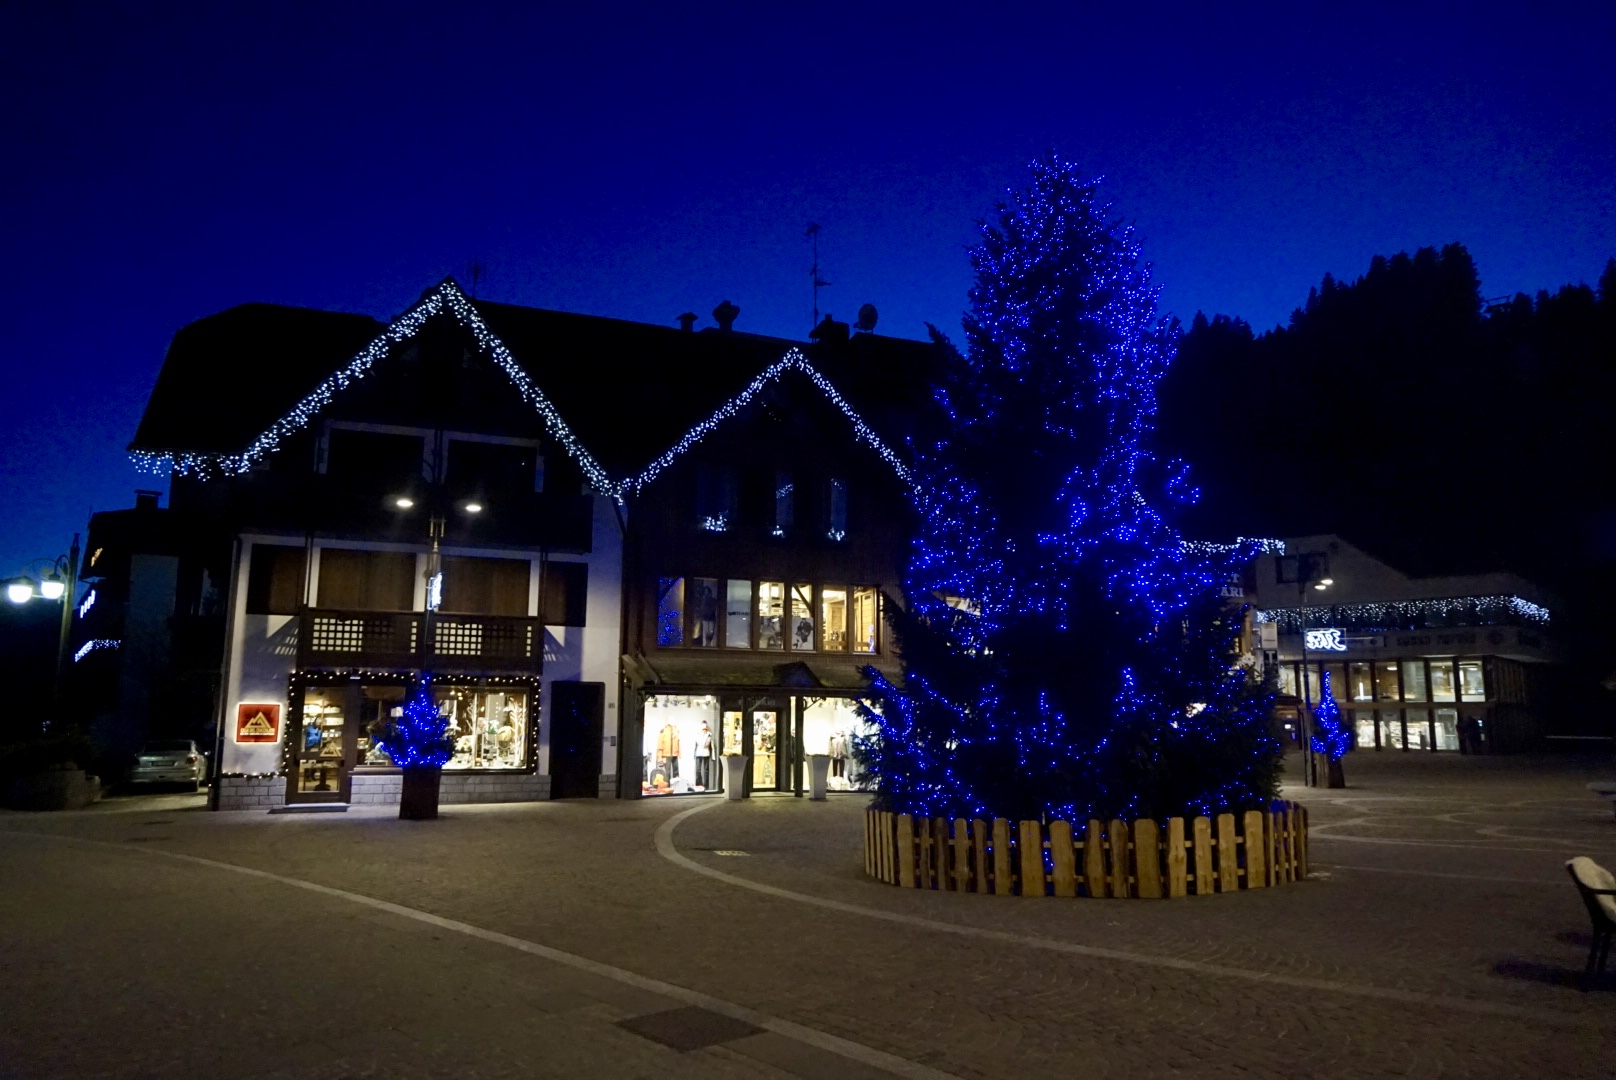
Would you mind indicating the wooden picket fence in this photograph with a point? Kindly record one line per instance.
(1143, 859)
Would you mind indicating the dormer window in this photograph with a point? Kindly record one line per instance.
(785, 500)
(716, 501)
(836, 509)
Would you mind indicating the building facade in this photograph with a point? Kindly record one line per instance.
(591, 536)
(1415, 663)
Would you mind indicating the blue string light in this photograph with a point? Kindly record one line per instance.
(419, 738)
(1335, 740)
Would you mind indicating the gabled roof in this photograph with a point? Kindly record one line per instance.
(279, 354)
(633, 395)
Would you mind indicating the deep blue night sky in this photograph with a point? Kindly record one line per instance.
(161, 165)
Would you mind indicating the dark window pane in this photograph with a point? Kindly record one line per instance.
(566, 593)
(479, 468)
(386, 459)
(275, 580)
(485, 586)
(366, 580)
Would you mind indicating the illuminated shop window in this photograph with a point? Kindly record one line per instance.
(771, 610)
(1386, 683)
(1360, 677)
(802, 617)
(1472, 685)
(1442, 684)
(866, 619)
(1414, 681)
(670, 612)
(680, 745)
(833, 618)
(488, 727)
(703, 602)
(738, 614)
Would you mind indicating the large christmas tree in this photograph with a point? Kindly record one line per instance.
(1065, 652)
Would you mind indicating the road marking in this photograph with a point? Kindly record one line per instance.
(866, 1055)
(666, 848)
(1440, 874)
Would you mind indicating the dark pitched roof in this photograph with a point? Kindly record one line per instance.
(228, 377)
(627, 390)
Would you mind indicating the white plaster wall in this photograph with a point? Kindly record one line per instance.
(261, 653)
(590, 653)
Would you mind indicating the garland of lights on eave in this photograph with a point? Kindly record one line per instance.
(1409, 614)
(793, 360)
(446, 297)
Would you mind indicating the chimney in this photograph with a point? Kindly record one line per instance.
(687, 321)
(146, 500)
(724, 314)
(829, 330)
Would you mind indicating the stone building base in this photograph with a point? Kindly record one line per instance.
(384, 789)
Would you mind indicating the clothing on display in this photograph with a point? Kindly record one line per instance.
(677, 754)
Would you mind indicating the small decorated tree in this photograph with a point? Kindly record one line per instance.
(418, 742)
(1330, 736)
(1066, 652)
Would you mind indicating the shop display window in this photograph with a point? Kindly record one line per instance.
(802, 617)
(830, 726)
(1359, 675)
(1391, 730)
(702, 594)
(1287, 682)
(1447, 729)
(1472, 685)
(866, 619)
(1414, 680)
(679, 744)
(738, 614)
(1386, 682)
(1442, 684)
(1339, 685)
(734, 733)
(771, 611)
(1418, 729)
(1363, 724)
(833, 618)
(380, 705)
(670, 612)
(765, 760)
(488, 727)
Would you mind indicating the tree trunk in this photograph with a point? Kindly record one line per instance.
(419, 799)
(1338, 778)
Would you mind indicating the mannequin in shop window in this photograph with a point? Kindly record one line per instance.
(838, 754)
(668, 752)
(704, 757)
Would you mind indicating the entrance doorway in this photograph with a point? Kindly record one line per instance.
(333, 733)
(577, 720)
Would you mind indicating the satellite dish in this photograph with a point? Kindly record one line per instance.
(866, 319)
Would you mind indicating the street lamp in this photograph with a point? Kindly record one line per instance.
(1308, 568)
(55, 582)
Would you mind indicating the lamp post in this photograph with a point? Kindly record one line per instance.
(58, 581)
(1309, 569)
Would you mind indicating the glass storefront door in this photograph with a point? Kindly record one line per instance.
(323, 750)
(765, 750)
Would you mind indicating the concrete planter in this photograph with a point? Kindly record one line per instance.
(55, 789)
(419, 799)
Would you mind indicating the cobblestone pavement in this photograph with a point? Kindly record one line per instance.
(1439, 937)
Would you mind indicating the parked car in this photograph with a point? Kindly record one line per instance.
(170, 761)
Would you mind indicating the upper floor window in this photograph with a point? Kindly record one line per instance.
(476, 467)
(275, 579)
(716, 498)
(836, 509)
(381, 457)
(773, 615)
(785, 499)
(474, 586)
(565, 599)
(366, 580)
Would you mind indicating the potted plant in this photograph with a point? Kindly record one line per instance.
(418, 742)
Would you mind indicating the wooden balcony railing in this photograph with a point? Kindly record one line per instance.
(412, 640)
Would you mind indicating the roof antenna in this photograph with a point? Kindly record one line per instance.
(813, 272)
(476, 274)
